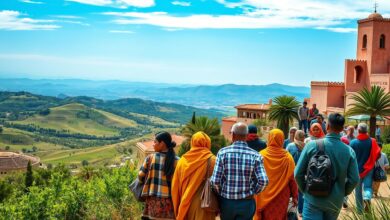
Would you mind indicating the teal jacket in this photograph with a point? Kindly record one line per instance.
(344, 166)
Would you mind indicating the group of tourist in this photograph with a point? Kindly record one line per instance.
(257, 180)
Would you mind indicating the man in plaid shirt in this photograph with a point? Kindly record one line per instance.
(238, 175)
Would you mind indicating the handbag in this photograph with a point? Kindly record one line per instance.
(209, 201)
(379, 173)
(136, 187)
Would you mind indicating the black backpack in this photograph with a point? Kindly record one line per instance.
(319, 178)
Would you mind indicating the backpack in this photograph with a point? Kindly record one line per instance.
(319, 177)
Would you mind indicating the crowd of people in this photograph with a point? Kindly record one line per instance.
(253, 179)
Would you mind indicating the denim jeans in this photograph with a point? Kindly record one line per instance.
(304, 124)
(243, 209)
(300, 202)
(363, 191)
(311, 212)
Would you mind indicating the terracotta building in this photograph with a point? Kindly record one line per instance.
(246, 113)
(371, 67)
(145, 148)
(11, 162)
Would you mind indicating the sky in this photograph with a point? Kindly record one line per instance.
(251, 42)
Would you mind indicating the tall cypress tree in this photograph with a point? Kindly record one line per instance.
(29, 176)
(193, 120)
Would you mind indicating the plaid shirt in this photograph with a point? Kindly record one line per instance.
(156, 184)
(239, 172)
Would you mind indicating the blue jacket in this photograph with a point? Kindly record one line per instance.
(362, 150)
(344, 167)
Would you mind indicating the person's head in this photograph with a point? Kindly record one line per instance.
(239, 131)
(314, 105)
(163, 143)
(350, 130)
(304, 104)
(362, 128)
(380, 145)
(335, 123)
(299, 135)
(319, 118)
(252, 129)
(316, 130)
(291, 133)
(200, 140)
(275, 138)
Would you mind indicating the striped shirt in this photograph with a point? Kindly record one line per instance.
(239, 172)
(157, 183)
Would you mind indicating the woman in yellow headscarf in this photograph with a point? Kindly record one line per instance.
(272, 203)
(189, 177)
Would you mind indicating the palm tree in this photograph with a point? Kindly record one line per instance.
(284, 111)
(373, 102)
(209, 126)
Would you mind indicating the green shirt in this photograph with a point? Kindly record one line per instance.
(344, 166)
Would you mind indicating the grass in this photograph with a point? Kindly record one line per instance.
(65, 118)
(18, 140)
(155, 120)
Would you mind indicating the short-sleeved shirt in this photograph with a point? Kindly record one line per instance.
(383, 161)
(157, 183)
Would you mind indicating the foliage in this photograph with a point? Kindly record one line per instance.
(29, 176)
(385, 135)
(284, 110)
(209, 126)
(373, 102)
(104, 195)
(1, 129)
(84, 163)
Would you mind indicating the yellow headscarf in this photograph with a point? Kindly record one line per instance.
(190, 173)
(279, 166)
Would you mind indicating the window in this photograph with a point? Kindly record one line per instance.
(358, 74)
(364, 41)
(382, 41)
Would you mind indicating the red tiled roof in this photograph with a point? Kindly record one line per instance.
(260, 107)
(232, 119)
(12, 161)
(147, 146)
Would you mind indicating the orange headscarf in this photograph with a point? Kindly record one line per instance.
(279, 166)
(321, 135)
(190, 173)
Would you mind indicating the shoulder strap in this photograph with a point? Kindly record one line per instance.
(320, 146)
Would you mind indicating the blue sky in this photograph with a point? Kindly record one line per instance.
(197, 42)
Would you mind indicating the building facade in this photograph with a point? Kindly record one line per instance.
(371, 67)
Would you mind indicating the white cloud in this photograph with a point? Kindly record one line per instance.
(68, 16)
(118, 3)
(334, 15)
(179, 3)
(31, 2)
(13, 20)
(121, 32)
(338, 29)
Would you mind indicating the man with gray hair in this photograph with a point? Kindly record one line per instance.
(367, 152)
(238, 175)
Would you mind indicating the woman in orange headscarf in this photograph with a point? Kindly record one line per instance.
(316, 132)
(272, 203)
(189, 177)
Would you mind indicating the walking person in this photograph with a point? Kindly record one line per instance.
(383, 162)
(159, 168)
(378, 134)
(279, 165)
(291, 135)
(367, 152)
(238, 175)
(295, 149)
(343, 165)
(349, 136)
(189, 177)
(253, 139)
(303, 114)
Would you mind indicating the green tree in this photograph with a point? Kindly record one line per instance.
(284, 110)
(373, 102)
(29, 176)
(1, 129)
(7, 147)
(209, 126)
(34, 149)
(84, 163)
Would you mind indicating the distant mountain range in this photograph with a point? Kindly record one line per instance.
(222, 97)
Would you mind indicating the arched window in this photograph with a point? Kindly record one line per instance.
(364, 46)
(382, 41)
(358, 74)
